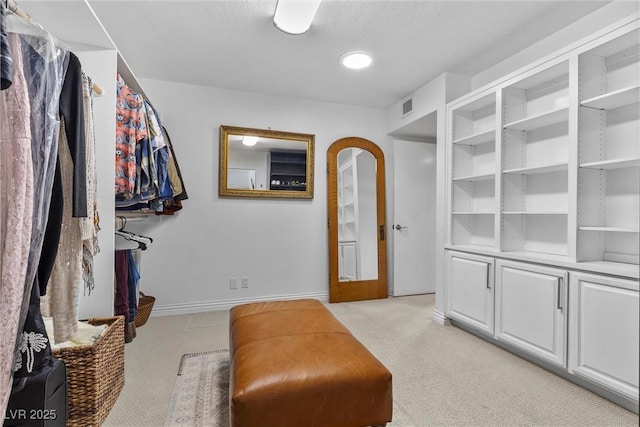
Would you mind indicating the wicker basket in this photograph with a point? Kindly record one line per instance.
(145, 304)
(95, 374)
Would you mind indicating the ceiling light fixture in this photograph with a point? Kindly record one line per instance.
(356, 60)
(295, 16)
(249, 141)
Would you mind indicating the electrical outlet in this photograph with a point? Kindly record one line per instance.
(233, 283)
(245, 282)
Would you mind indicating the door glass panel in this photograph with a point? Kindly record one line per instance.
(357, 215)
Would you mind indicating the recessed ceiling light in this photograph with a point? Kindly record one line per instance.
(356, 60)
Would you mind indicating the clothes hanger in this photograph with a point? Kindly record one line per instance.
(126, 235)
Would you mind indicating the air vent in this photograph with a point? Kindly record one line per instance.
(407, 107)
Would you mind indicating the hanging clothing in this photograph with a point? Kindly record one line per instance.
(130, 129)
(16, 210)
(90, 225)
(6, 63)
(61, 300)
(71, 110)
(121, 300)
(43, 194)
(178, 190)
(34, 353)
(147, 175)
(38, 70)
(127, 277)
(133, 278)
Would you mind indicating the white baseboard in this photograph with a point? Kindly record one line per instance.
(440, 318)
(201, 306)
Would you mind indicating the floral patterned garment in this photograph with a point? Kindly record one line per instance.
(131, 127)
(16, 211)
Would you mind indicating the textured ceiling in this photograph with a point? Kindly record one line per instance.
(234, 44)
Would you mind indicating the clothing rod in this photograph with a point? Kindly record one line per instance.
(121, 222)
(13, 7)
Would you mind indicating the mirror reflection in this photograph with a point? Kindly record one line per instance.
(265, 163)
(357, 215)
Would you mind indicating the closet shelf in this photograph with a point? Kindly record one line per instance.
(630, 162)
(533, 213)
(531, 170)
(540, 120)
(137, 215)
(478, 138)
(612, 229)
(472, 213)
(478, 177)
(615, 99)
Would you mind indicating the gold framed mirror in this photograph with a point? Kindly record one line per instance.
(357, 229)
(265, 163)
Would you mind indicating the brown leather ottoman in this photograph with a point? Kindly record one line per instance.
(294, 364)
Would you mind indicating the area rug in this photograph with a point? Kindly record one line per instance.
(200, 396)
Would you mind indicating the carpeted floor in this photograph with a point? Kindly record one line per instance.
(442, 376)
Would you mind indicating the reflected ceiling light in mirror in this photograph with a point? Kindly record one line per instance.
(249, 141)
(295, 16)
(356, 60)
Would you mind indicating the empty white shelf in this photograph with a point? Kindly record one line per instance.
(479, 177)
(540, 120)
(613, 164)
(615, 99)
(530, 170)
(479, 138)
(534, 213)
(612, 229)
(472, 213)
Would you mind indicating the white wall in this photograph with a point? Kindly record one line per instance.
(280, 245)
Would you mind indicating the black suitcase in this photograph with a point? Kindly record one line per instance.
(40, 400)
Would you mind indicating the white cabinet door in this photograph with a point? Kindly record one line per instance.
(530, 309)
(470, 290)
(603, 344)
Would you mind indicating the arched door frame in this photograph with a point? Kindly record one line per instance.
(359, 289)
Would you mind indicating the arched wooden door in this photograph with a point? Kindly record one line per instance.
(357, 222)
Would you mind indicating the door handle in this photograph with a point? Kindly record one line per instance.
(488, 275)
(400, 227)
(560, 283)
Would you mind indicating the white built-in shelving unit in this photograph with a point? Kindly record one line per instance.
(609, 151)
(543, 182)
(534, 168)
(473, 180)
(545, 164)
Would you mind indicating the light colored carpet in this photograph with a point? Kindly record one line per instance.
(442, 376)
